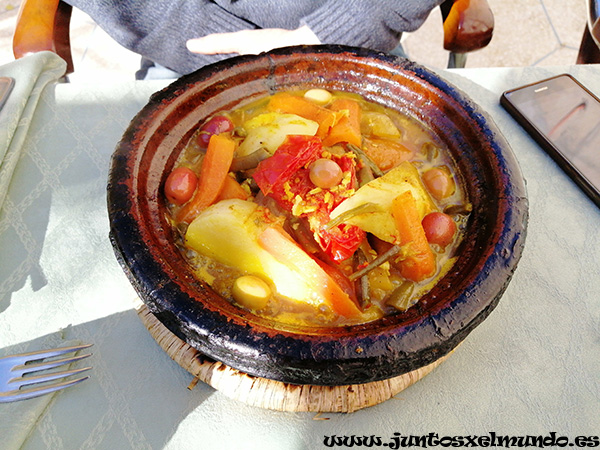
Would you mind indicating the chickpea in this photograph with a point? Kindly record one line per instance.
(439, 183)
(325, 173)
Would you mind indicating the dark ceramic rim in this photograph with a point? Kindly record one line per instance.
(142, 237)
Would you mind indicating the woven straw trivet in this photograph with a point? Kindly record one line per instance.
(272, 394)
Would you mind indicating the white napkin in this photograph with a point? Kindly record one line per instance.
(31, 75)
(18, 419)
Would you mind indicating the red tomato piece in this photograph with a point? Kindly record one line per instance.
(285, 176)
(180, 185)
(295, 152)
(439, 228)
(340, 242)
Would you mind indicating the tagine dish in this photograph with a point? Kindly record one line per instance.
(317, 215)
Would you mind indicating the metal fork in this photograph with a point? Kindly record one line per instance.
(25, 375)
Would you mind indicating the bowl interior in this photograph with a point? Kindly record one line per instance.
(144, 243)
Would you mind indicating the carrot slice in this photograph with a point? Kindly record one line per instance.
(347, 129)
(213, 172)
(419, 261)
(281, 246)
(232, 189)
(385, 153)
(292, 104)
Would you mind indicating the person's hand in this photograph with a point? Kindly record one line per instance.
(250, 42)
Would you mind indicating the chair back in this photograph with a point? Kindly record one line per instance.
(589, 50)
(43, 25)
(468, 25)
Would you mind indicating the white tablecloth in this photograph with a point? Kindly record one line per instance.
(532, 368)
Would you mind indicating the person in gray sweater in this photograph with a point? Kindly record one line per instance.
(184, 35)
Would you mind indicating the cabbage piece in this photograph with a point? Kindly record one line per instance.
(269, 130)
(377, 218)
(228, 232)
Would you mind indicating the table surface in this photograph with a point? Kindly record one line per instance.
(532, 368)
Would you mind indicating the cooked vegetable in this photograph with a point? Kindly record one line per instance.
(286, 251)
(418, 260)
(249, 161)
(232, 189)
(366, 160)
(345, 216)
(402, 297)
(268, 131)
(180, 185)
(317, 208)
(379, 125)
(384, 257)
(210, 234)
(251, 292)
(319, 96)
(292, 104)
(213, 172)
(364, 175)
(291, 156)
(381, 192)
(347, 128)
(386, 153)
(261, 248)
(285, 177)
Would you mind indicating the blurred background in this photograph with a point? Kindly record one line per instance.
(526, 33)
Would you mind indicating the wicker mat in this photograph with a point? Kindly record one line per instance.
(272, 394)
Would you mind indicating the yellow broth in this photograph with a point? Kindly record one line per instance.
(383, 289)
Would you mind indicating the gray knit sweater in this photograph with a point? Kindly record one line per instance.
(159, 29)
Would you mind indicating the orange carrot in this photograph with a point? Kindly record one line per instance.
(283, 248)
(419, 261)
(213, 172)
(232, 189)
(347, 129)
(385, 153)
(292, 104)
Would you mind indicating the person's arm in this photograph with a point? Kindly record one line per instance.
(246, 42)
(159, 29)
(376, 24)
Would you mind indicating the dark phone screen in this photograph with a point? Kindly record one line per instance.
(569, 117)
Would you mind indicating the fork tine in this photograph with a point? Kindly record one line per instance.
(44, 365)
(39, 391)
(42, 354)
(28, 375)
(45, 377)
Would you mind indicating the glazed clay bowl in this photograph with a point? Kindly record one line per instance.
(144, 241)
